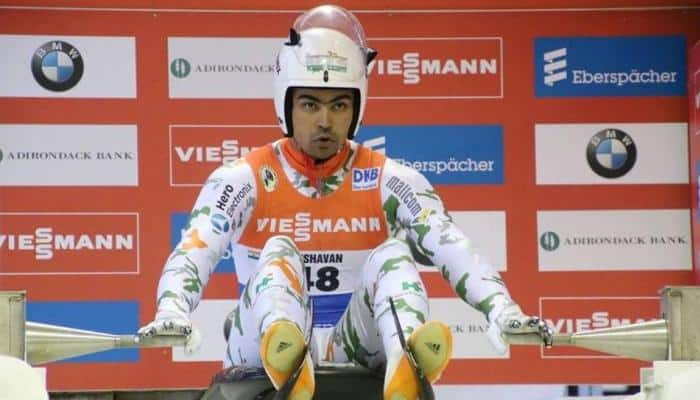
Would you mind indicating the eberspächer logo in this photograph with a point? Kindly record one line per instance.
(610, 66)
(180, 68)
(549, 241)
(57, 66)
(611, 153)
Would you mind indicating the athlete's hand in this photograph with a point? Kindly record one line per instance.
(512, 321)
(173, 323)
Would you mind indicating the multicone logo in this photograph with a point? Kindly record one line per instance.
(57, 66)
(459, 154)
(196, 150)
(69, 243)
(610, 66)
(611, 153)
(614, 240)
(567, 315)
(438, 68)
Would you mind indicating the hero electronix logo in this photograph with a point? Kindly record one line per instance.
(447, 67)
(69, 243)
(57, 66)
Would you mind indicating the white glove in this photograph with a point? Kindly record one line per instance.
(173, 323)
(511, 320)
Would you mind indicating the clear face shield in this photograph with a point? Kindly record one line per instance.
(333, 17)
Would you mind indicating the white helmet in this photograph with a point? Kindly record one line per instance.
(326, 49)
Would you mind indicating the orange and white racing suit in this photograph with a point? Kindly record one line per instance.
(324, 246)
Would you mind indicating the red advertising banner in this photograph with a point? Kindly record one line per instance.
(166, 91)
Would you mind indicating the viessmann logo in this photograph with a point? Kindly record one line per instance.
(303, 224)
(196, 150)
(610, 66)
(437, 67)
(80, 243)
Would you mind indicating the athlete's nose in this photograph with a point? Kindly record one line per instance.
(323, 120)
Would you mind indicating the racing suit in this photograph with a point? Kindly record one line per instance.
(324, 246)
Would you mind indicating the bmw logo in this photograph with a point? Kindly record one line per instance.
(57, 66)
(550, 241)
(611, 153)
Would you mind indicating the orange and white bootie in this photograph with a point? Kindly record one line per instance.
(283, 351)
(431, 345)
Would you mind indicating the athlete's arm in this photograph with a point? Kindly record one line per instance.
(218, 217)
(411, 204)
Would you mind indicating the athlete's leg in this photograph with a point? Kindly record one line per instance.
(367, 333)
(273, 320)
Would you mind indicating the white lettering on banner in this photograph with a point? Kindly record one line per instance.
(411, 66)
(44, 242)
(697, 100)
(229, 151)
(598, 319)
(452, 165)
(302, 225)
(583, 77)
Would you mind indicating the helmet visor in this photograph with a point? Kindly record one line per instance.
(333, 17)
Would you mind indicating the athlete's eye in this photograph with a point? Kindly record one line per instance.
(309, 106)
(340, 106)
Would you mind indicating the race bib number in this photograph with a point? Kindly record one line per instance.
(332, 272)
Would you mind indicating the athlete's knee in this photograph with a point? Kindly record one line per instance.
(391, 248)
(280, 241)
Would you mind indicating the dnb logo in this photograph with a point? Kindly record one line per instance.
(567, 315)
(365, 179)
(57, 66)
(611, 153)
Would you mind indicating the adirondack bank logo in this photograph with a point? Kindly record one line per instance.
(303, 225)
(462, 67)
(69, 243)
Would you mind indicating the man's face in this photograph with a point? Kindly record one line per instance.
(321, 119)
